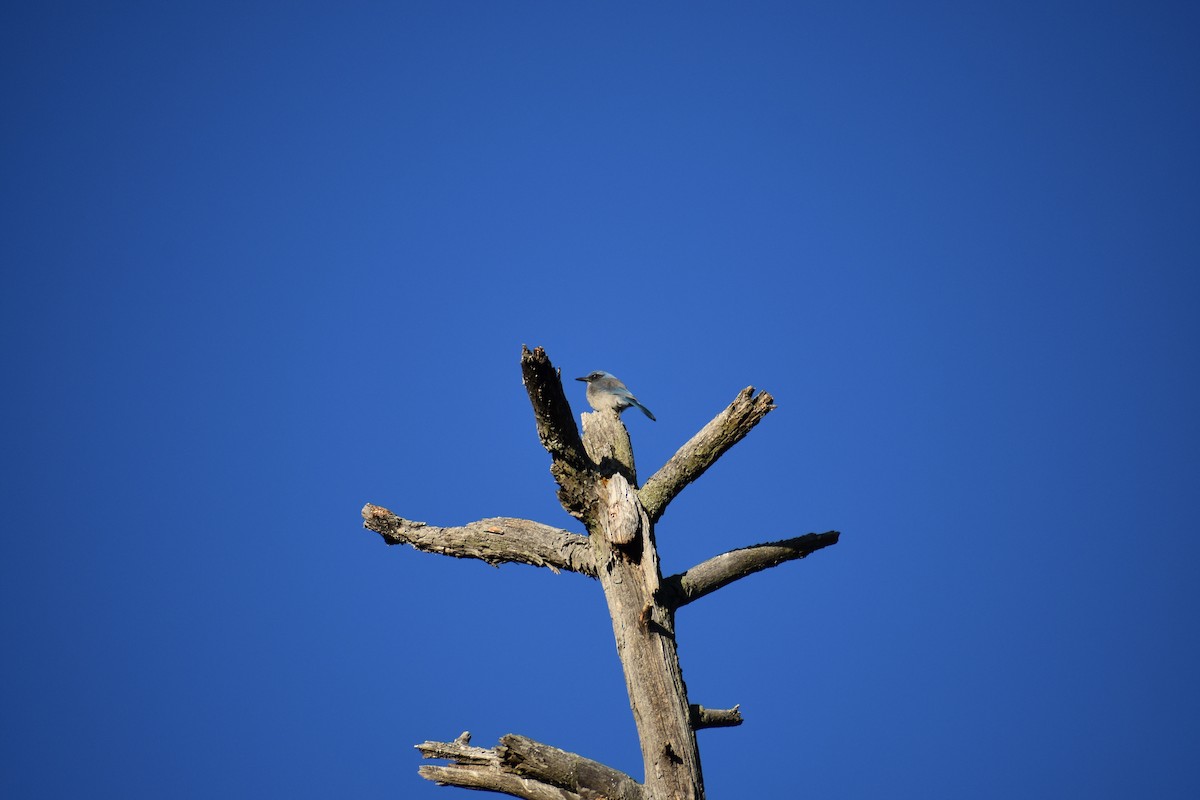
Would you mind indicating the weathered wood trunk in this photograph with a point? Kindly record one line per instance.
(626, 558)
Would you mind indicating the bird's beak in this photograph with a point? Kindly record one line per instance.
(582, 379)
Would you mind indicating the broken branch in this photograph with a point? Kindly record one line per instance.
(715, 717)
(490, 780)
(708, 576)
(569, 464)
(702, 450)
(566, 770)
(496, 540)
(522, 767)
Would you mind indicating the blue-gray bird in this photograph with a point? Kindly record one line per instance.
(605, 391)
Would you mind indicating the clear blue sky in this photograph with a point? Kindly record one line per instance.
(267, 262)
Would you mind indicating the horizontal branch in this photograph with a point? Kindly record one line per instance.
(496, 540)
(702, 450)
(710, 575)
(567, 770)
(521, 767)
(460, 751)
(490, 780)
(715, 717)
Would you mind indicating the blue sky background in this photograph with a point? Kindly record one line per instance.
(267, 262)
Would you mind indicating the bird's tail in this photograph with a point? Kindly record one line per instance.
(645, 410)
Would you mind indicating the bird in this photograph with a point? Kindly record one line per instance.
(606, 391)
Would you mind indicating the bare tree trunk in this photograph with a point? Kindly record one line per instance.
(643, 626)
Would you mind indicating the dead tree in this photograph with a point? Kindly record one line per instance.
(597, 484)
